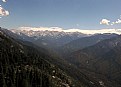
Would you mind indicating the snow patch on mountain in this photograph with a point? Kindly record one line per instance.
(53, 36)
(58, 29)
(47, 32)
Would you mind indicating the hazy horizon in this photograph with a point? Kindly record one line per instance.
(81, 14)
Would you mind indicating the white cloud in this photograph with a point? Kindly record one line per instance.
(105, 22)
(4, 0)
(117, 22)
(3, 12)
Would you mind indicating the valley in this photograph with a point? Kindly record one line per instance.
(60, 43)
(72, 60)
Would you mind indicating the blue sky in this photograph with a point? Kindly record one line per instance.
(83, 14)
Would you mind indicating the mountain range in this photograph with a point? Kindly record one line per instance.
(81, 43)
(55, 37)
(71, 58)
(52, 38)
(87, 31)
(22, 64)
(103, 58)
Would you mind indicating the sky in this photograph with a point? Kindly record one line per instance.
(82, 14)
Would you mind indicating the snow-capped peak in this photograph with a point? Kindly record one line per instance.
(41, 29)
(45, 32)
(58, 29)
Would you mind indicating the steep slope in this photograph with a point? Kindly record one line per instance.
(85, 42)
(13, 35)
(99, 49)
(103, 58)
(24, 66)
(37, 59)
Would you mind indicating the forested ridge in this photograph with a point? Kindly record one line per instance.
(24, 66)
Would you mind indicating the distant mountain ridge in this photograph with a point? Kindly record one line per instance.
(83, 31)
(52, 38)
(81, 43)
